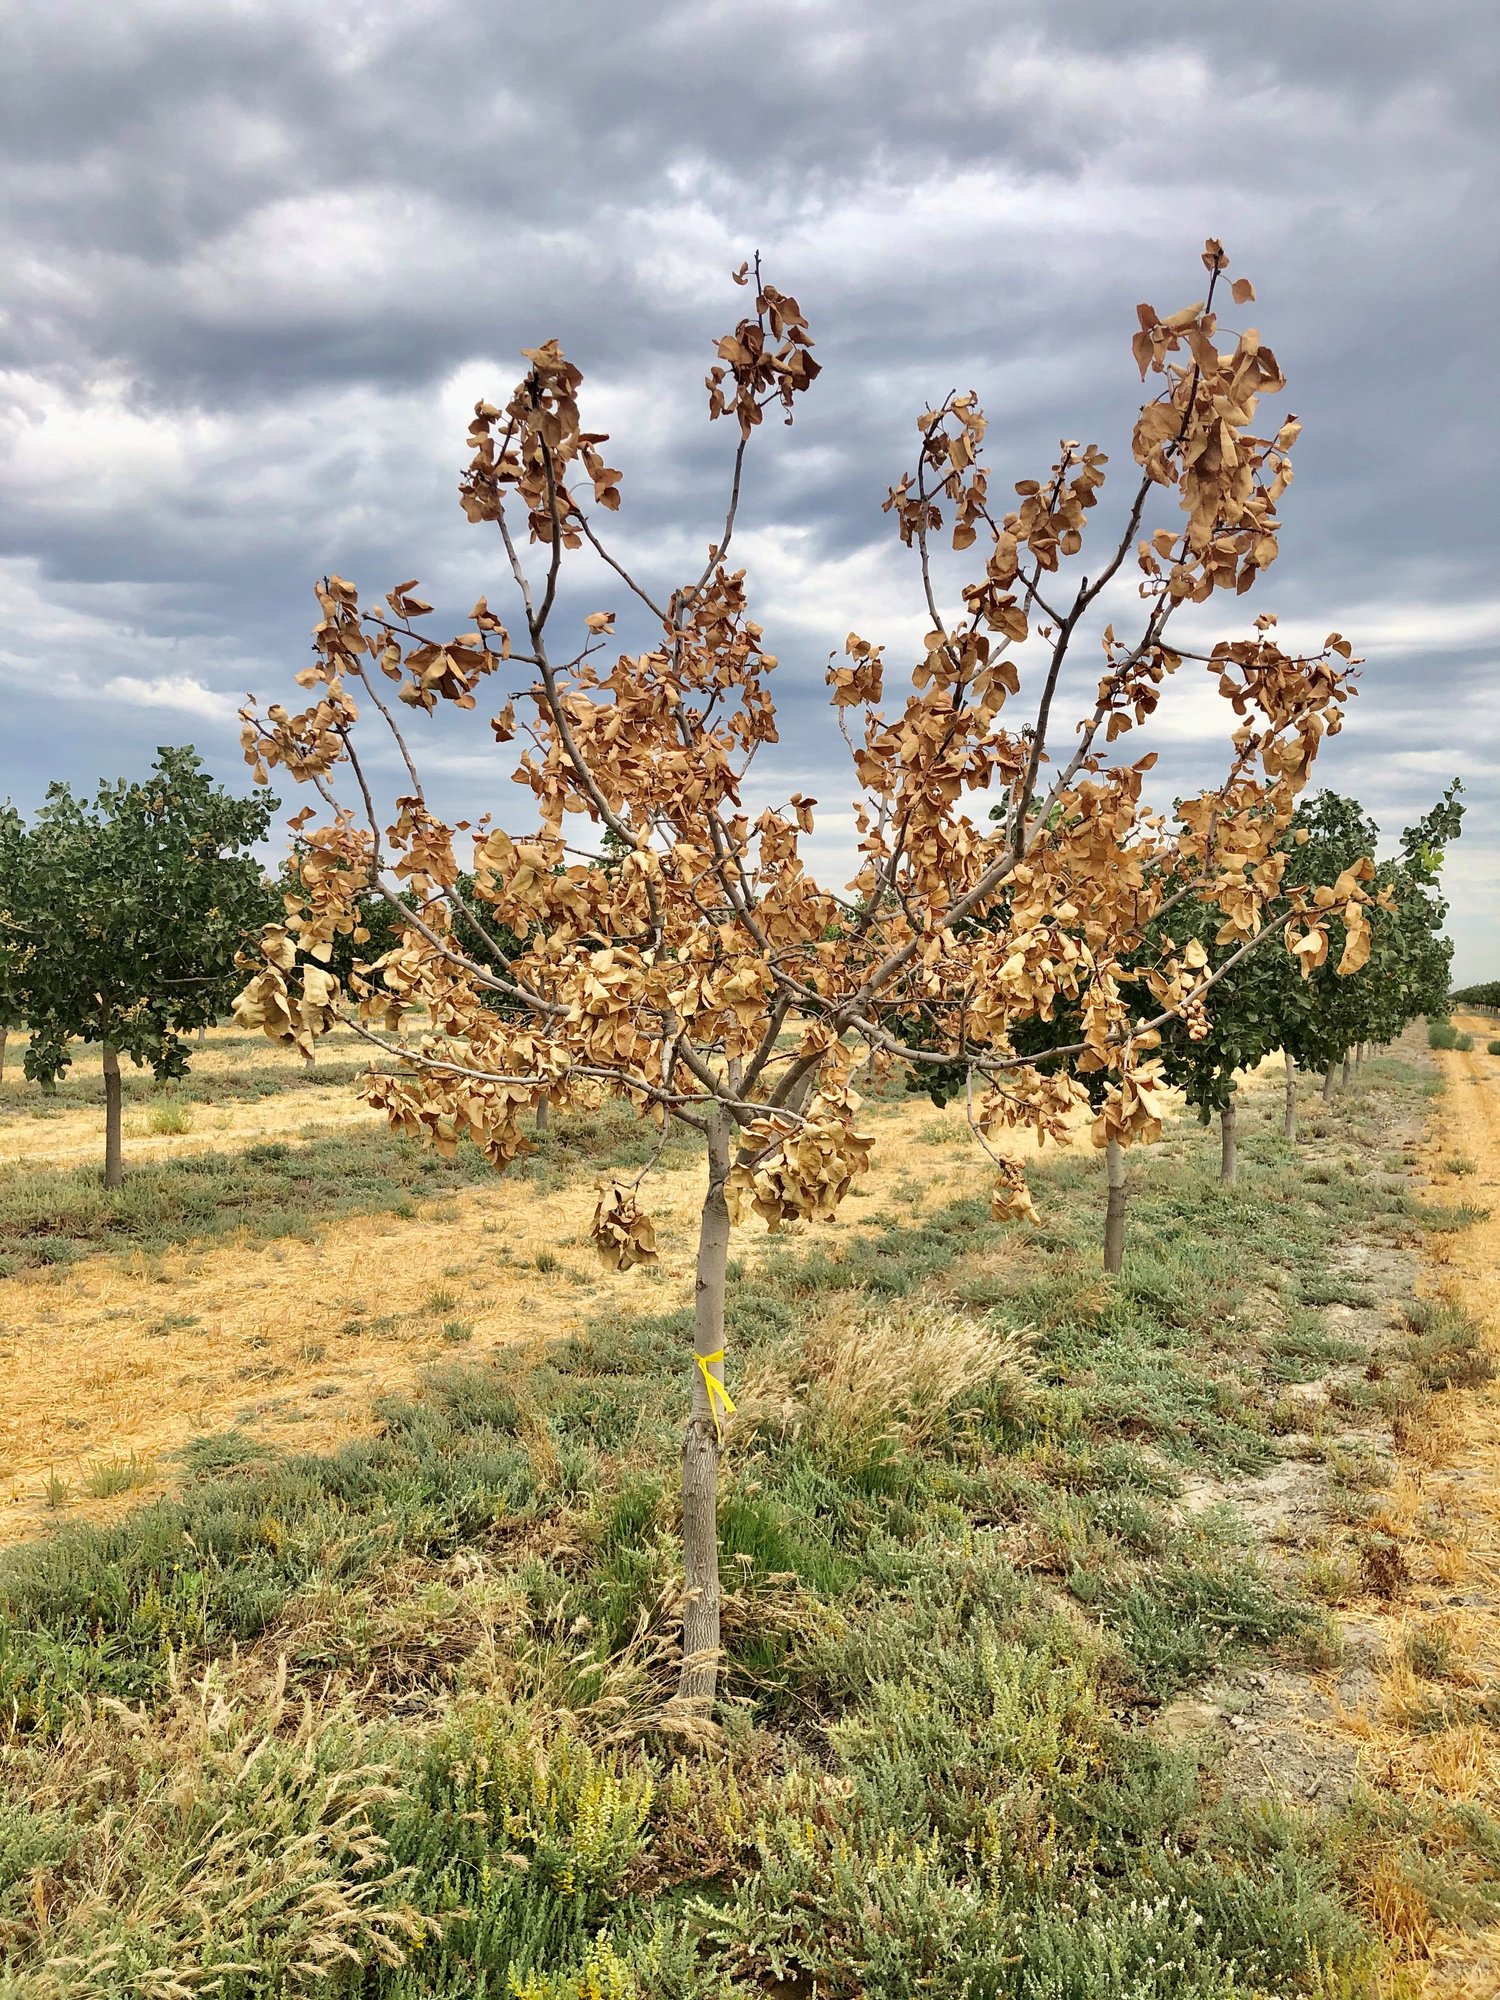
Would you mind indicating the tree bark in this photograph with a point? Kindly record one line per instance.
(698, 1681)
(1289, 1107)
(4, 1038)
(543, 1114)
(1114, 1208)
(202, 1033)
(1229, 1156)
(1328, 1082)
(1348, 1070)
(113, 1168)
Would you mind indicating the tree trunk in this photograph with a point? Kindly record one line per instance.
(1328, 1082)
(113, 1170)
(1359, 1057)
(699, 1679)
(1229, 1157)
(1348, 1070)
(4, 1038)
(202, 1033)
(1289, 1107)
(1114, 1208)
(543, 1114)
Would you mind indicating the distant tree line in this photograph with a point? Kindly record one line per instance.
(1321, 1009)
(122, 917)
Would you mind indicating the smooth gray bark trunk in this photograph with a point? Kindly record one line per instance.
(1229, 1156)
(543, 1114)
(1114, 1207)
(1348, 1070)
(114, 1171)
(4, 1038)
(699, 1678)
(1289, 1105)
(1328, 1083)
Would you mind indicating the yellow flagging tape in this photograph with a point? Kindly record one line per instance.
(717, 1393)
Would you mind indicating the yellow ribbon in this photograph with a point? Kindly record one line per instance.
(717, 1393)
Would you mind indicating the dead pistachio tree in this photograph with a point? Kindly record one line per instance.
(675, 950)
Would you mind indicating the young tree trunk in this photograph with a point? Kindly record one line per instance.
(1229, 1157)
(1348, 1070)
(1328, 1082)
(4, 1038)
(1289, 1106)
(202, 1033)
(1114, 1207)
(543, 1114)
(1359, 1057)
(699, 1678)
(113, 1169)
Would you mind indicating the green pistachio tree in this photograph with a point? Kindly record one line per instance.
(124, 917)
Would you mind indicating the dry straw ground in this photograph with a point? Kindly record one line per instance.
(1444, 1511)
(120, 1357)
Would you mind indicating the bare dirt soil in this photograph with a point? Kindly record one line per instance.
(1408, 1704)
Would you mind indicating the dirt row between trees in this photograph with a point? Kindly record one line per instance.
(66, 1134)
(1398, 1527)
(1452, 1502)
(114, 1363)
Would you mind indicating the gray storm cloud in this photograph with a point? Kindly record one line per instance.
(259, 259)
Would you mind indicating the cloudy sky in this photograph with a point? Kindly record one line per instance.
(261, 256)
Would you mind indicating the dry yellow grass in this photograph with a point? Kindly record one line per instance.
(1445, 1510)
(74, 1136)
(297, 1339)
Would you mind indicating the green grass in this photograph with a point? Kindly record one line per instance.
(387, 1712)
(109, 1477)
(170, 1118)
(272, 1189)
(275, 1188)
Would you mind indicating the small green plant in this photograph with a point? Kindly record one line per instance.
(1460, 1163)
(108, 1476)
(547, 1262)
(171, 1119)
(1463, 1044)
(1429, 1652)
(457, 1331)
(441, 1300)
(1492, 1048)
(56, 1491)
(1441, 1035)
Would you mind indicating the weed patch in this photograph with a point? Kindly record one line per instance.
(391, 1718)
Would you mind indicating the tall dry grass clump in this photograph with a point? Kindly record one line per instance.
(866, 1369)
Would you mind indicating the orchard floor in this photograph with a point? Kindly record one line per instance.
(1240, 1509)
(115, 1361)
(1446, 1510)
